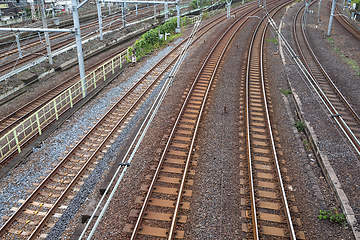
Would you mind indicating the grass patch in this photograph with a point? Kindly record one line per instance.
(299, 125)
(330, 40)
(332, 216)
(274, 40)
(352, 63)
(286, 92)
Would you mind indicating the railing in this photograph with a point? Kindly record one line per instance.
(34, 124)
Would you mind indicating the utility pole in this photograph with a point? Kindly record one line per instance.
(98, 5)
(33, 12)
(331, 17)
(79, 46)
(18, 44)
(319, 8)
(123, 15)
(47, 40)
(228, 4)
(177, 30)
(166, 10)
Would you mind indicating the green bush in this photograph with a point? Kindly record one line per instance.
(150, 40)
(299, 125)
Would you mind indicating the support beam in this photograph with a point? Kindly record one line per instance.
(177, 30)
(37, 30)
(79, 46)
(18, 44)
(47, 40)
(166, 10)
(98, 5)
(137, 1)
(331, 17)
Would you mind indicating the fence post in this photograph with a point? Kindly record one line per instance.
(38, 122)
(70, 95)
(104, 72)
(112, 64)
(16, 140)
(94, 76)
(56, 113)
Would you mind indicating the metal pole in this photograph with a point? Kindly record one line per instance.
(264, 3)
(136, 8)
(33, 13)
(155, 12)
(331, 17)
(47, 40)
(166, 10)
(319, 8)
(18, 44)
(109, 8)
(53, 10)
(123, 14)
(98, 5)
(79, 46)
(177, 30)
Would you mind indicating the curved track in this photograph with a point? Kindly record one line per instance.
(340, 109)
(346, 24)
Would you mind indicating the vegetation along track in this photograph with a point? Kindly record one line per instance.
(346, 24)
(166, 204)
(340, 109)
(40, 210)
(269, 209)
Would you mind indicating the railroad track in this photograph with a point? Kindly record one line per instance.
(7, 123)
(269, 211)
(338, 106)
(166, 204)
(346, 24)
(39, 211)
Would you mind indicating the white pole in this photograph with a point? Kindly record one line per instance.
(331, 17)
(18, 44)
(166, 10)
(98, 5)
(79, 46)
(47, 40)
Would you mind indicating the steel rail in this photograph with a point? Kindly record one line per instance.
(331, 108)
(29, 199)
(171, 136)
(272, 142)
(268, 124)
(346, 24)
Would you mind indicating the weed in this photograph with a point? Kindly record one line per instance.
(330, 40)
(274, 40)
(337, 49)
(352, 63)
(299, 125)
(333, 216)
(285, 92)
(307, 144)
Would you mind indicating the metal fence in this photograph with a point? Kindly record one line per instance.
(38, 121)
